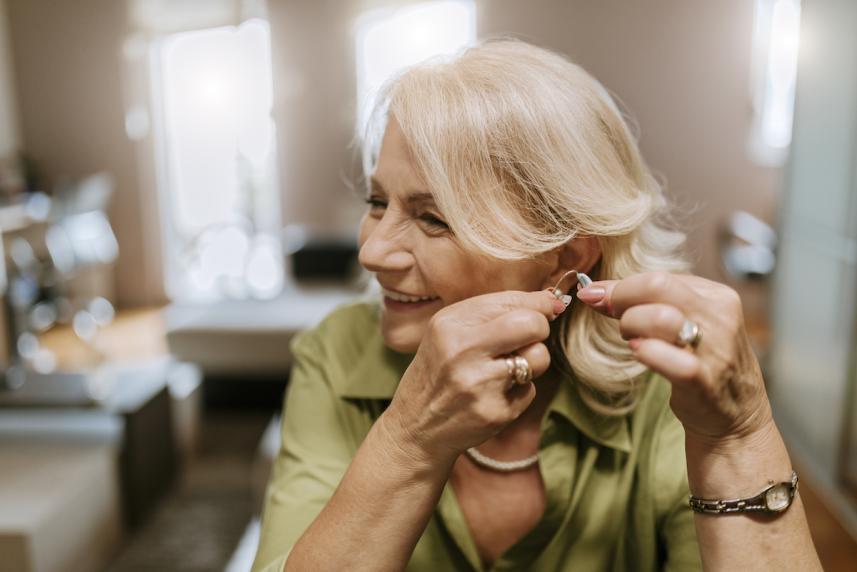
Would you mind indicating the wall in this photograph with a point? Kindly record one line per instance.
(314, 108)
(9, 139)
(69, 84)
(682, 69)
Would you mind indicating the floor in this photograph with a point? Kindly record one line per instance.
(201, 522)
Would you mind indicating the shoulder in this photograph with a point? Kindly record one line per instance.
(345, 332)
(347, 350)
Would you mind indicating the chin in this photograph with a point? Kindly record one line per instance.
(403, 338)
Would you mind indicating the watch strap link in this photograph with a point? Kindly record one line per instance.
(755, 503)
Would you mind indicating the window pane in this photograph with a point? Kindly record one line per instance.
(776, 39)
(389, 40)
(217, 142)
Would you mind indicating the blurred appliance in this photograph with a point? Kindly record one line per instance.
(747, 247)
(321, 256)
(59, 271)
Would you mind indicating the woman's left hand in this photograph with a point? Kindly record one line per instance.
(718, 391)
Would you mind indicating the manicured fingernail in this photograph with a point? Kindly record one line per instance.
(634, 344)
(591, 295)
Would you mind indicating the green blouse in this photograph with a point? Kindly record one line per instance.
(616, 487)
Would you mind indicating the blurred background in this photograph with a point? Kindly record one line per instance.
(177, 201)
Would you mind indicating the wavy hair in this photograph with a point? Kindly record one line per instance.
(523, 151)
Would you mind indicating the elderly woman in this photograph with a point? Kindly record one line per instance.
(472, 420)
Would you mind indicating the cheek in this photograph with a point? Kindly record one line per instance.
(452, 276)
(473, 277)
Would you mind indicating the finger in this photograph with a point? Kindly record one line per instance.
(614, 297)
(496, 304)
(598, 295)
(511, 331)
(677, 365)
(538, 357)
(663, 321)
(519, 398)
(700, 284)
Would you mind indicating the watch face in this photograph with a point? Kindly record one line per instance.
(777, 498)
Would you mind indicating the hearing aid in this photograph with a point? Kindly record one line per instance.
(583, 281)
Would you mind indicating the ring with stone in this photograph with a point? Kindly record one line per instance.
(689, 334)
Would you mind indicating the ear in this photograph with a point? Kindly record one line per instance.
(581, 254)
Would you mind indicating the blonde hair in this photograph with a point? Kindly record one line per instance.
(523, 151)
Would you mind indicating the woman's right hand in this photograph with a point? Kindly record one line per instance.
(455, 394)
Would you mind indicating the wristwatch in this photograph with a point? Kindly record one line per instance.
(774, 498)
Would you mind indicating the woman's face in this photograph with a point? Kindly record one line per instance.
(418, 261)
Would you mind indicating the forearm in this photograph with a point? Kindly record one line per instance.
(379, 511)
(749, 541)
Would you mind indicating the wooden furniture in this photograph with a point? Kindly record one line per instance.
(134, 335)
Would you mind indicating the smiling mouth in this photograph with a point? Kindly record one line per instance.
(406, 299)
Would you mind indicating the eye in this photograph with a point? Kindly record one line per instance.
(375, 203)
(434, 221)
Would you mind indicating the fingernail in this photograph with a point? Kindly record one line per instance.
(560, 304)
(634, 344)
(591, 295)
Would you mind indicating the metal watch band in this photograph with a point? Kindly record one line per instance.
(757, 503)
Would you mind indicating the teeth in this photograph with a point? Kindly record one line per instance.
(402, 298)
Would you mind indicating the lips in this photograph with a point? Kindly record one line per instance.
(407, 298)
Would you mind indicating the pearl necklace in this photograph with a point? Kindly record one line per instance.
(501, 466)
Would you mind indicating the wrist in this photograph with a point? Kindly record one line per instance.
(735, 466)
(407, 453)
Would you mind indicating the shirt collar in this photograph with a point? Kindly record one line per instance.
(610, 431)
(378, 369)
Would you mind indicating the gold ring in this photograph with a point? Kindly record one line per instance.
(519, 371)
(523, 371)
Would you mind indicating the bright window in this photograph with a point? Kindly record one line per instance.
(776, 38)
(216, 149)
(391, 39)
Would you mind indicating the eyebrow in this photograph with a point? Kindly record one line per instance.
(419, 197)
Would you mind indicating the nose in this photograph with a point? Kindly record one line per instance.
(384, 247)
